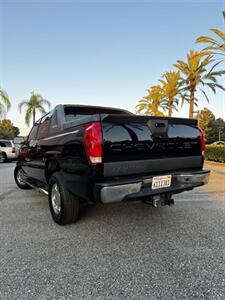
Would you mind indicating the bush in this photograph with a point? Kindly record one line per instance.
(215, 153)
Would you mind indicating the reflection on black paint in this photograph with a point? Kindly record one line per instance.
(135, 141)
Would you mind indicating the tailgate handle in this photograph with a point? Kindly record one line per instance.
(158, 127)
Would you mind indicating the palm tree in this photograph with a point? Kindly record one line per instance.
(151, 103)
(216, 46)
(171, 90)
(196, 77)
(4, 102)
(35, 104)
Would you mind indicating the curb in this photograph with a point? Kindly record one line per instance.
(214, 163)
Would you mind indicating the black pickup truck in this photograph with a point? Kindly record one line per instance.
(80, 154)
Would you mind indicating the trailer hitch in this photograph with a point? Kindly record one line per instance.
(159, 200)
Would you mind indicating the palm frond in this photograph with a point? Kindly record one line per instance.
(45, 102)
(41, 109)
(5, 99)
(2, 111)
(28, 116)
(219, 33)
(217, 73)
(209, 77)
(204, 93)
(214, 66)
(219, 86)
(24, 103)
(206, 39)
(212, 87)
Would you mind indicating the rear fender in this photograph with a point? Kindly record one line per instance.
(51, 166)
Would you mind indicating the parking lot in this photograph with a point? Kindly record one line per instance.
(118, 251)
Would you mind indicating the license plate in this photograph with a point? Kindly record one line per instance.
(160, 182)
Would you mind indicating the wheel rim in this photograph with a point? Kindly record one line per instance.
(20, 176)
(56, 199)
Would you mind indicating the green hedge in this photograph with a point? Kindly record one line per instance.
(215, 153)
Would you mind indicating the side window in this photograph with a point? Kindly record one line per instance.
(2, 144)
(44, 126)
(33, 134)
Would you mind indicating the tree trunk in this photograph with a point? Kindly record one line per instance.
(34, 114)
(170, 108)
(192, 103)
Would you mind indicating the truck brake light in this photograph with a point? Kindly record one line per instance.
(93, 142)
(202, 140)
(13, 150)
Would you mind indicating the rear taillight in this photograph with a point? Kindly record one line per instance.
(202, 140)
(13, 150)
(93, 142)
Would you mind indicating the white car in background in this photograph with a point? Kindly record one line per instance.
(219, 143)
(18, 141)
(8, 150)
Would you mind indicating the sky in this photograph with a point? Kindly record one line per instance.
(99, 52)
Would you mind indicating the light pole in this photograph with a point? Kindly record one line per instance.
(220, 128)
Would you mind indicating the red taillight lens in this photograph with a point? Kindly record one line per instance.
(202, 140)
(13, 150)
(93, 142)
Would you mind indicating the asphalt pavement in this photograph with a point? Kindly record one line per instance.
(116, 251)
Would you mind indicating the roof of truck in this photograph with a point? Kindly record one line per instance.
(95, 108)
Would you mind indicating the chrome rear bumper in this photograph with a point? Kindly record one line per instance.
(111, 192)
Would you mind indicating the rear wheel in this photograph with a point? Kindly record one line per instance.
(4, 157)
(64, 206)
(18, 176)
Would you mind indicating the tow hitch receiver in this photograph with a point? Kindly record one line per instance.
(160, 200)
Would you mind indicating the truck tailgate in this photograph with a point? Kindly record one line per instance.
(144, 144)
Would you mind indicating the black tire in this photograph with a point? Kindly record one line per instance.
(21, 185)
(68, 210)
(4, 157)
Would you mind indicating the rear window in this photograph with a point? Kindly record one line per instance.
(5, 144)
(74, 113)
(184, 131)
